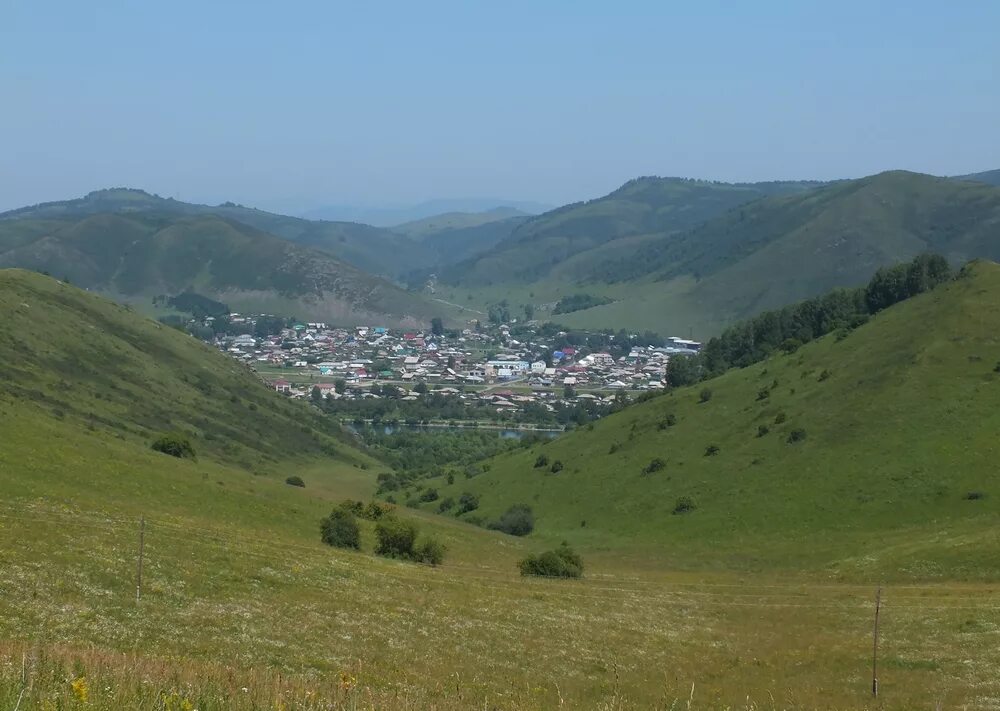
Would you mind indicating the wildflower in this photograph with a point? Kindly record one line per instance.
(347, 682)
(80, 689)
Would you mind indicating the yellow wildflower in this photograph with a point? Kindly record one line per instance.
(80, 689)
(347, 682)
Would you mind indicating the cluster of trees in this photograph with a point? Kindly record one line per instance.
(518, 520)
(786, 329)
(579, 302)
(394, 538)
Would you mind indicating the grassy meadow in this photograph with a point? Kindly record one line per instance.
(243, 607)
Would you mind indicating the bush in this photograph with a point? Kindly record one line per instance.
(557, 466)
(711, 450)
(705, 395)
(563, 562)
(654, 466)
(355, 508)
(542, 461)
(763, 394)
(340, 529)
(779, 418)
(825, 375)
(429, 495)
(974, 496)
(684, 504)
(446, 504)
(375, 511)
(174, 444)
(762, 430)
(430, 551)
(614, 448)
(796, 435)
(395, 538)
(518, 520)
(467, 502)
(295, 481)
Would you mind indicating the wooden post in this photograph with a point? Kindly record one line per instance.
(142, 545)
(878, 607)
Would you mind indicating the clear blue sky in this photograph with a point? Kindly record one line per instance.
(290, 105)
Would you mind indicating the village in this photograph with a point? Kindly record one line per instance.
(507, 367)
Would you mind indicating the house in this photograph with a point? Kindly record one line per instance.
(282, 386)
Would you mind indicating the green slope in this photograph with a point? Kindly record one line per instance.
(900, 420)
(641, 206)
(772, 252)
(95, 366)
(136, 255)
(371, 249)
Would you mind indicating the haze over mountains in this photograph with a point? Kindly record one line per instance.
(661, 254)
(393, 216)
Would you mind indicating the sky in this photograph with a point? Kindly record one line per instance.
(294, 105)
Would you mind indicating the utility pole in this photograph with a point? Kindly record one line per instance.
(142, 546)
(878, 607)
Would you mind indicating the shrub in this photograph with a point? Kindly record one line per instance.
(654, 466)
(557, 466)
(825, 375)
(762, 430)
(683, 505)
(779, 418)
(467, 502)
(295, 481)
(614, 448)
(429, 495)
(375, 511)
(446, 504)
(542, 461)
(395, 538)
(796, 435)
(711, 450)
(974, 496)
(705, 395)
(671, 419)
(996, 368)
(451, 478)
(429, 551)
(518, 520)
(174, 444)
(563, 562)
(355, 508)
(340, 529)
(763, 394)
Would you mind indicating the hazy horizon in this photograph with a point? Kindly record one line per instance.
(397, 105)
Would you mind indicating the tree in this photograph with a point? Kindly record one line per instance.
(569, 392)
(437, 326)
(341, 529)
(518, 520)
(395, 538)
(682, 370)
(467, 502)
(340, 386)
(420, 388)
(529, 312)
(705, 395)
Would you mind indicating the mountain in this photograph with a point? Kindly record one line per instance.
(394, 216)
(363, 246)
(876, 455)
(449, 221)
(754, 256)
(990, 177)
(137, 254)
(644, 206)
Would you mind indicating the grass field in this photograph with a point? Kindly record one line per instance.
(242, 607)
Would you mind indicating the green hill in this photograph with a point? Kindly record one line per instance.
(640, 207)
(877, 458)
(771, 252)
(990, 177)
(134, 255)
(368, 248)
